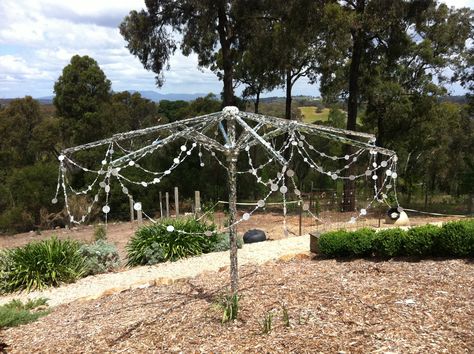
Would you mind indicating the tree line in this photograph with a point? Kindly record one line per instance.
(386, 63)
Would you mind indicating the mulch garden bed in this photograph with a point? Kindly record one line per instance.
(351, 306)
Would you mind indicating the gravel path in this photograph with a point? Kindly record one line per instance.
(165, 273)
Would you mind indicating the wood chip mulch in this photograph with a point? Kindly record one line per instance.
(356, 306)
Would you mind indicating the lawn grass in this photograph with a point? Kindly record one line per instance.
(310, 116)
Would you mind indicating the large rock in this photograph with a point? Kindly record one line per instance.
(397, 216)
(254, 235)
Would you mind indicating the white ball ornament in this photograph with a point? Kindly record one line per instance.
(106, 209)
(54, 201)
(144, 184)
(131, 163)
(375, 177)
(183, 148)
(176, 160)
(137, 206)
(363, 212)
(167, 172)
(170, 228)
(61, 157)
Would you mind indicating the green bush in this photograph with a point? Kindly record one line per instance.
(456, 239)
(388, 243)
(153, 244)
(16, 313)
(360, 242)
(419, 241)
(100, 257)
(16, 219)
(41, 264)
(223, 243)
(335, 244)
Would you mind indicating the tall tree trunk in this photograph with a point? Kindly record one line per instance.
(227, 64)
(348, 203)
(257, 101)
(288, 95)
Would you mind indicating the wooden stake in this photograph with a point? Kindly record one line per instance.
(132, 211)
(161, 205)
(167, 202)
(176, 201)
(197, 203)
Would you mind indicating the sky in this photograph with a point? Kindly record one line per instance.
(39, 37)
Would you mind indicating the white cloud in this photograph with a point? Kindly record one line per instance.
(38, 38)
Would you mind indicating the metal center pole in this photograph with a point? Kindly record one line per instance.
(232, 156)
(234, 273)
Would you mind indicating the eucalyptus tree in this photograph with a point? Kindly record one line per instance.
(215, 30)
(400, 47)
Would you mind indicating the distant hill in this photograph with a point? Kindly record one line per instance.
(157, 97)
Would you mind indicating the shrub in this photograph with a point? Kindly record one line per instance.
(100, 233)
(456, 239)
(41, 264)
(335, 244)
(100, 257)
(16, 313)
(223, 243)
(360, 242)
(16, 219)
(388, 243)
(419, 241)
(153, 244)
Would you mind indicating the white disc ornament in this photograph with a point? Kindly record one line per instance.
(246, 216)
(54, 201)
(183, 148)
(283, 189)
(290, 173)
(61, 157)
(131, 163)
(176, 160)
(261, 203)
(125, 190)
(106, 209)
(208, 233)
(274, 187)
(170, 228)
(363, 212)
(107, 189)
(137, 206)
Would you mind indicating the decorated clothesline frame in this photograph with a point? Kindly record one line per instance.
(264, 129)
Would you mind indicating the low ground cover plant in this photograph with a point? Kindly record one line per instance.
(41, 264)
(453, 239)
(16, 313)
(170, 240)
(100, 257)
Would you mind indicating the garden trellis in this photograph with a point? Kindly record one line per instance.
(225, 136)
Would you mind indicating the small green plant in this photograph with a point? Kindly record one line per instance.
(267, 321)
(285, 316)
(230, 306)
(100, 257)
(41, 264)
(100, 233)
(166, 241)
(16, 313)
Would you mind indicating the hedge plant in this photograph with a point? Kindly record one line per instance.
(453, 239)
